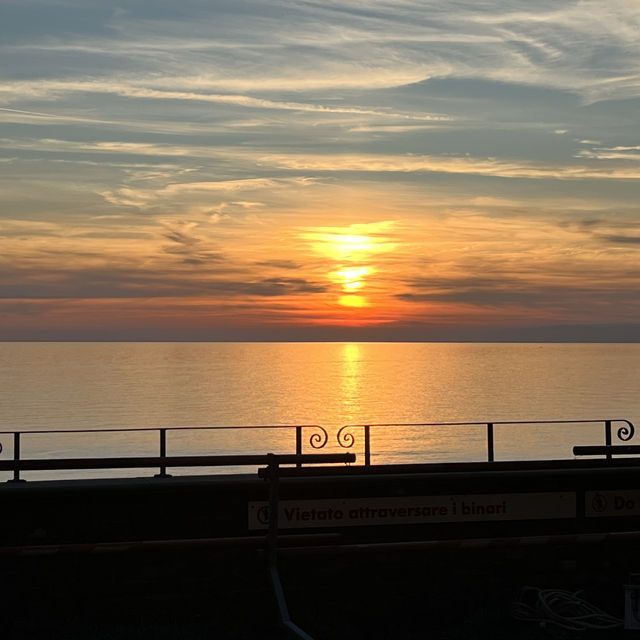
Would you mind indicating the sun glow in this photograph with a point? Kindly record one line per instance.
(353, 301)
(351, 278)
(352, 252)
(357, 242)
(343, 247)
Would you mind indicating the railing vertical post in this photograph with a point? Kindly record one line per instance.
(16, 455)
(607, 437)
(298, 443)
(490, 455)
(163, 454)
(272, 534)
(367, 445)
(273, 475)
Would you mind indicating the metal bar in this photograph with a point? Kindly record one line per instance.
(272, 535)
(492, 471)
(16, 455)
(169, 461)
(490, 455)
(298, 444)
(272, 550)
(479, 424)
(195, 428)
(608, 450)
(607, 437)
(288, 426)
(367, 445)
(251, 542)
(469, 543)
(163, 454)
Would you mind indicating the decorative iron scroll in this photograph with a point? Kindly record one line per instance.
(626, 432)
(345, 438)
(319, 440)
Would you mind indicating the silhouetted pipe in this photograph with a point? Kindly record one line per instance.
(606, 450)
(56, 464)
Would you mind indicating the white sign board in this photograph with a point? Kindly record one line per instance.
(612, 503)
(351, 512)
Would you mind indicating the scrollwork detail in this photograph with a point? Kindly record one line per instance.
(626, 432)
(345, 438)
(319, 440)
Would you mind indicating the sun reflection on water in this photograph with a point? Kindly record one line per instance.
(351, 381)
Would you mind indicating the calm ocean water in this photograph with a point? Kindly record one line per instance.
(98, 385)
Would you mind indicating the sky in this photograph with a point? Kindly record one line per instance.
(330, 170)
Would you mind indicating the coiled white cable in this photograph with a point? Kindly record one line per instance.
(564, 609)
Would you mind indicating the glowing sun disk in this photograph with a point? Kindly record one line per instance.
(352, 273)
(353, 301)
(343, 246)
(351, 278)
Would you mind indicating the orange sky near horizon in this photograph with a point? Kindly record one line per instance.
(389, 272)
(411, 170)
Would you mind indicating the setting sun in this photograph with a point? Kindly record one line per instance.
(351, 257)
(352, 278)
(341, 243)
(353, 301)
(343, 247)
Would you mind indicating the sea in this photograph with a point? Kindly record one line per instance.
(83, 390)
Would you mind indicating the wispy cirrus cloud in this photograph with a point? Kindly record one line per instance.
(55, 90)
(250, 47)
(620, 152)
(454, 165)
(212, 194)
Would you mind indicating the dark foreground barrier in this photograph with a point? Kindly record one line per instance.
(305, 511)
(272, 462)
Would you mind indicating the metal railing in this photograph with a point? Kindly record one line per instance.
(346, 438)
(317, 439)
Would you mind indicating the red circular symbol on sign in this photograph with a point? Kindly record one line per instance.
(263, 515)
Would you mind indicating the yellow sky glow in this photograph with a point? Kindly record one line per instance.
(353, 301)
(350, 255)
(352, 278)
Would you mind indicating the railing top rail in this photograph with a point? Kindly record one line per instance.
(172, 428)
(484, 423)
(312, 426)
